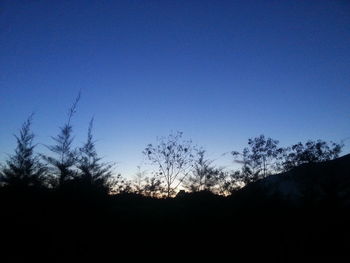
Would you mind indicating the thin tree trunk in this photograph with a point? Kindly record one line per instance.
(168, 190)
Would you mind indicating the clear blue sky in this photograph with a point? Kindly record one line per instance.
(220, 71)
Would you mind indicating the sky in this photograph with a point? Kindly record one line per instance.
(219, 71)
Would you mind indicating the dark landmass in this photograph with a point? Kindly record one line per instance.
(298, 215)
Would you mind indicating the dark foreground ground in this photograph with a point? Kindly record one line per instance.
(60, 227)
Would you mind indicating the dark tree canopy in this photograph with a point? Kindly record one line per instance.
(93, 172)
(204, 175)
(260, 158)
(23, 167)
(310, 152)
(62, 165)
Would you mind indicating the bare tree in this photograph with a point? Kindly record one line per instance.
(173, 157)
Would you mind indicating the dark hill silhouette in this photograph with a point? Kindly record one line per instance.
(259, 222)
(316, 183)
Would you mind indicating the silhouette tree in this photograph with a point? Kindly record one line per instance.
(148, 186)
(204, 176)
(23, 168)
(260, 158)
(139, 180)
(310, 152)
(92, 172)
(120, 185)
(229, 182)
(173, 158)
(153, 187)
(63, 164)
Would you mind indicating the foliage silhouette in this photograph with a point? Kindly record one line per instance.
(204, 176)
(62, 165)
(148, 186)
(23, 169)
(310, 152)
(98, 215)
(52, 224)
(93, 174)
(260, 158)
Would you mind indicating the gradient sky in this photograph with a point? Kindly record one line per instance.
(220, 71)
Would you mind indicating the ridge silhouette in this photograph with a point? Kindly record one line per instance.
(284, 205)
